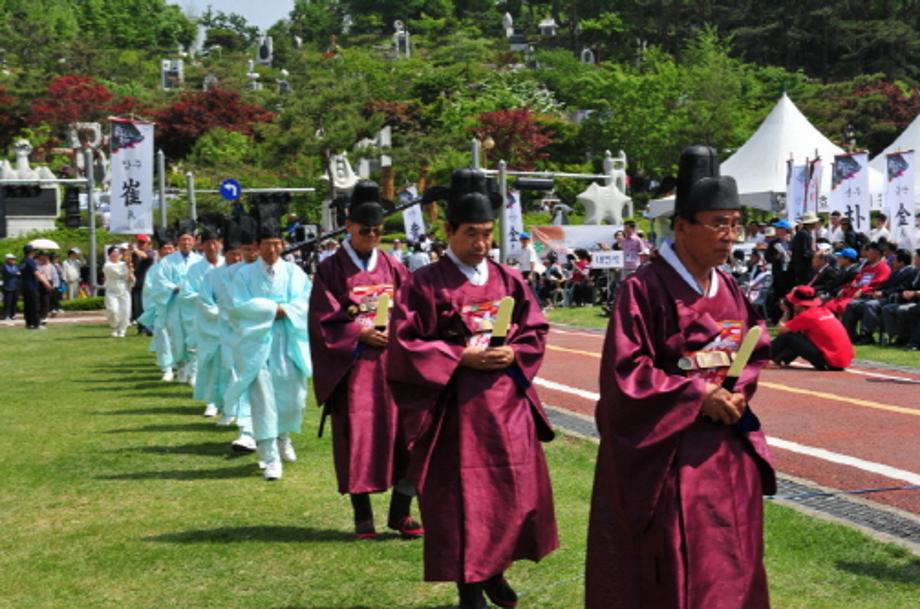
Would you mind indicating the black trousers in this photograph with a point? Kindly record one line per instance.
(790, 345)
(137, 303)
(30, 308)
(9, 304)
(44, 302)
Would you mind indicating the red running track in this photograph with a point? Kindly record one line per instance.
(867, 414)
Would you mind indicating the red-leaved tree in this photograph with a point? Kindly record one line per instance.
(519, 137)
(180, 124)
(71, 99)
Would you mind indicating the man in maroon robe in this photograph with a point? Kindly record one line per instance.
(677, 510)
(349, 363)
(484, 488)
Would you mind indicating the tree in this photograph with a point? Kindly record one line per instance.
(228, 30)
(70, 99)
(519, 138)
(182, 122)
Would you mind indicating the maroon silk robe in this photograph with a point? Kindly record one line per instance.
(677, 510)
(369, 451)
(484, 488)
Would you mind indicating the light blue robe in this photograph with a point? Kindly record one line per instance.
(272, 357)
(199, 290)
(170, 276)
(229, 338)
(154, 317)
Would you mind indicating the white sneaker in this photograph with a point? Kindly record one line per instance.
(262, 464)
(192, 379)
(182, 376)
(272, 471)
(168, 376)
(244, 444)
(286, 449)
(225, 421)
(115, 334)
(210, 410)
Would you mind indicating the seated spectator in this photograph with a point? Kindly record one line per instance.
(580, 291)
(825, 276)
(552, 282)
(901, 315)
(808, 330)
(866, 310)
(847, 265)
(872, 275)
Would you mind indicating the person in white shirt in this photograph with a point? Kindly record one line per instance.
(880, 231)
(118, 279)
(71, 273)
(418, 258)
(836, 235)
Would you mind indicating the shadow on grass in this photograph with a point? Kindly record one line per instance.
(906, 574)
(225, 473)
(355, 607)
(183, 410)
(168, 428)
(213, 449)
(266, 533)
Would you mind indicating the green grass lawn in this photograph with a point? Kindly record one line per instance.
(116, 493)
(590, 317)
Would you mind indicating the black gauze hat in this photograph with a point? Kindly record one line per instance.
(249, 229)
(471, 199)
(232, 233)
(364, 206)
(164, 235)
(696, 162)
(714, 193)
(185, 227)
(270, 228)
(211, 226)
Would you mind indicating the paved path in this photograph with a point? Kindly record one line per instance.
(846, 430)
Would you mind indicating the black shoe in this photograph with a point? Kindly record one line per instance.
(500, 591)
(471, 596)
(863, 339)
(912, 347)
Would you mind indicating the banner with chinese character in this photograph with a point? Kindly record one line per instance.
(131, 146)
(899, 198)
(813, 187)
(796, 185)
(850, 189)
(414, 221)
(514, 226)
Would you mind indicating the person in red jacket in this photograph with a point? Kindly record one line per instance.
(872, 275)
(813, 333)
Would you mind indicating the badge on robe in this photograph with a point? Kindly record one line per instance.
(712, 361)
(365, 298)
(480, 319)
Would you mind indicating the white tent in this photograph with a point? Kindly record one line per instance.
(759, 166)
(909, 140)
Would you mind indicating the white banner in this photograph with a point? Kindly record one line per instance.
(514, 227)
(131, 145)
(813, 188)
(850, 189)
(795, 192)
(414, 221)
(574, 236)
(607, 259)
(899, 198)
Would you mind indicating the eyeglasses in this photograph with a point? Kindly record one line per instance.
(723, 229)
(364, 231)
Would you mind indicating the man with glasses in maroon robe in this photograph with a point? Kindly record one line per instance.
(677, 510)
(349, 364)
(483, 483)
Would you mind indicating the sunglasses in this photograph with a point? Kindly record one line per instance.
(364, 231)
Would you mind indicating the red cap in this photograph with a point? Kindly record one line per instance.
(804, 296)
(143, 238)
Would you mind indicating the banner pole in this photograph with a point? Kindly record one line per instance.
(503, 191)
(91, 206)
(161, 181)
(190, 188)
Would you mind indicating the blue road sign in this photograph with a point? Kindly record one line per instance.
(231, 189)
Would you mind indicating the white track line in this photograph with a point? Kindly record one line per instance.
(817, 453)
(556, 330)
(827, 455)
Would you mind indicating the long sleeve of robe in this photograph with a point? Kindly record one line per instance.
(676, 513)
(188, 298)
(170, 276)
(208, 332)
(272, 357)
(484, 488)
(369, 451)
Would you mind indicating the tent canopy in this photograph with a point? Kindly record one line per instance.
(908, 140)
(760, 165)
